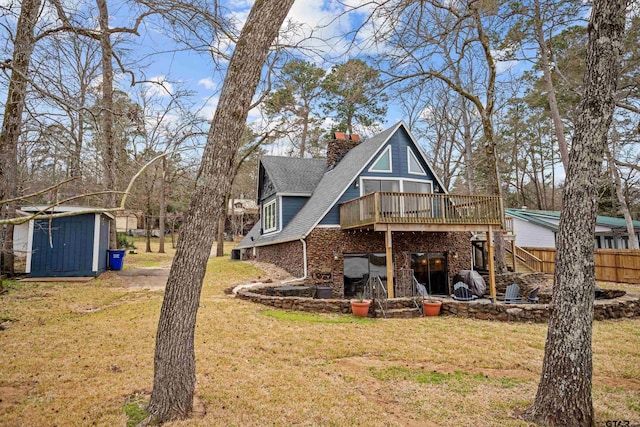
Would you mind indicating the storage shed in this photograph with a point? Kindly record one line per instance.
(69, 246)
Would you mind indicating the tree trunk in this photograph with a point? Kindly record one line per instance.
(12, 122)
(220, 240)
(558, 126)
(495, 188)
(147, 225)
(624, 207)
(163, 207)
(305, 131)
(564, 392)
(468, 148)
(174, 360)
(108, 140)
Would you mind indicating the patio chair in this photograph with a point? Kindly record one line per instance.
(459, 285)
(598, 292)
(462, 293)
(421, 290)
(533, 296)
(512, 294)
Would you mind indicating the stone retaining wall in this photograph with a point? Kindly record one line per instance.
(626, 306)
(297, 303)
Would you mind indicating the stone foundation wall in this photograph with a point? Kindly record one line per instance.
(285, 255)
(322, 243)
(626, 306)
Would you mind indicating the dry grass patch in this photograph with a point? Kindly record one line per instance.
(76, 353)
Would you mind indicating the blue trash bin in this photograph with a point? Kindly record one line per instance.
(116, 259)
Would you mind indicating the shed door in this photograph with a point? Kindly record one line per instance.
(65, 249)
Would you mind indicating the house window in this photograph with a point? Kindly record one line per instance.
(383, 162)
(359, 267)
(376, 185)
(269, 216)
(417, 187)
(430, 269)
(624, 242)
(608, 242)
(414, 164)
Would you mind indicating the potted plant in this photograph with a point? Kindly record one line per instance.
(431, 307)
(360, 306)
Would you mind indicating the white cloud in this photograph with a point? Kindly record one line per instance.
(159, 86)
(208, 83)
(209, 108)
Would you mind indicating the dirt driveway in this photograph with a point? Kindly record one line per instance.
(137, 279)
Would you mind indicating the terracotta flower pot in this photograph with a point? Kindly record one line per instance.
(431, 308)
(360, 308)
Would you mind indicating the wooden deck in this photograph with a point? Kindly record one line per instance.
(422, 212)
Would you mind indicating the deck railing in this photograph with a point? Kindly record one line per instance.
(508, 224)
(420, 208)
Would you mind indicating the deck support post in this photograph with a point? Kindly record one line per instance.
(492, 268)
(513, 255)
(389, 254)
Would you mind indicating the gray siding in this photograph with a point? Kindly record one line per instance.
(399, 142)
(290, 207)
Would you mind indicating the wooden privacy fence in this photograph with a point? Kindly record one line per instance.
(612, 265)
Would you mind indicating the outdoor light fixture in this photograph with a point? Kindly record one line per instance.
(455, 255)
(357, 184)
(335, 256)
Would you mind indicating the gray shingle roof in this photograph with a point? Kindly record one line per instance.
(292, 174)
(332, 185)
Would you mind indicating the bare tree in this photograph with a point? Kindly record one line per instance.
(619, 191)
(424, 35)
(23, 45)
(174, 361)
(564, 392)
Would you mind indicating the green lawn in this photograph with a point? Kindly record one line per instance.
(82, 354)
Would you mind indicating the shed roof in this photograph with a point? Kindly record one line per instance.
(47, 209)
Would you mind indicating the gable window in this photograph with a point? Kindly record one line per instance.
(383, 162)
(269, 216)
(414, 164)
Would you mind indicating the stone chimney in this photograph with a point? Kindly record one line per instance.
(339, 146)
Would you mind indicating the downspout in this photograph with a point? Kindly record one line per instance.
(304, 262)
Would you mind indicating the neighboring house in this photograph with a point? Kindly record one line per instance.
(242, 215)
(372, 208)
(127, 220)
(538, 229)
(242, 207)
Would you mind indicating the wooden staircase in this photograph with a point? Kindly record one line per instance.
(521, 267)
(525, 261)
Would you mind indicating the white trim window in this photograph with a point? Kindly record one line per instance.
(269, 217)
(413, 164)
(383, 162)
